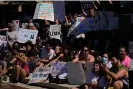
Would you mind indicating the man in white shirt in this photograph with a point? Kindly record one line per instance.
(11, 35)
(48, 54)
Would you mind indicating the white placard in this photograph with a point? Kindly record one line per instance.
(44, 11)
(40, 75)
(58, 68)
(55, 32)
(25, 35)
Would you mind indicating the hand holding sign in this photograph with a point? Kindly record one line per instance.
(25, 35)
(61, 55)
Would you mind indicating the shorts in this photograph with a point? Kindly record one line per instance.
(125, 86)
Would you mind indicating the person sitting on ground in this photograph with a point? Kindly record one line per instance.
(118, 74)
(22, 67)
(75, 57)
(95, 78)
(29, 48)
(3, 65)
(125, 59)
(85, 56)
(105, 60)
(67, 55)
(31, 62)
(47, 54)
(58, 56)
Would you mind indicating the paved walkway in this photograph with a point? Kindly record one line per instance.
(19, 86)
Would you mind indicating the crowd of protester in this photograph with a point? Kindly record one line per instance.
(22, 58)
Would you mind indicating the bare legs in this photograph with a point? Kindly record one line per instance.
(118, 85)
(20, 71)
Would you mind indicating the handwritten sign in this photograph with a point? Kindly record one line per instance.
(40, 75)
(55, 32)
(58, 68)
(44, 11)
(3, 40)
(25, 35)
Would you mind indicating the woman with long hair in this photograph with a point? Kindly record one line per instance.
(95, 78)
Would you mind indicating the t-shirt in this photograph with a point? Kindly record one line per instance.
(99, 79)
(109, 65)
(126, 62)
(47, 55)
(12, 37)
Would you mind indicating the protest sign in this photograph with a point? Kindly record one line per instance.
(40, 75)
(59, 10)
(113, 23)
(55, 32)
(25, 35)
(87, 25)
(101, 21)
(3, 40)
(79, 20)
(76, 74)
(44, 11)
(58, 68)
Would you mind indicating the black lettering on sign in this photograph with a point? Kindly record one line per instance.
(25, 35)
(53, 33)
(32, 37)
(58, 33)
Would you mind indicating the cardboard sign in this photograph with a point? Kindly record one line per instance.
(40, 75)
(55, 32)
(44, 11)
(76, 74)
(58, 68)
(25, 35)
(3, 40)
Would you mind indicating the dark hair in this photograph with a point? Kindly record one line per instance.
(16, 45)
(61, 48)
(100, 70)
(124, 48)
(2, 55)
(115, 55)
(33, 54)
(30, 44)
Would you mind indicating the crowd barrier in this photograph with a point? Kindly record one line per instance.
(76, 75)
